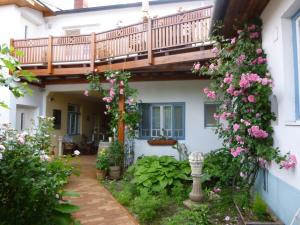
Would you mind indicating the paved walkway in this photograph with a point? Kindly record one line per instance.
(97, 205)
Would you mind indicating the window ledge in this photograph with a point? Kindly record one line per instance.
(293, 123)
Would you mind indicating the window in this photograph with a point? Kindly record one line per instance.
(73, 119)
(296, 49)
(72, 32)
(209, 110)
(163, 120)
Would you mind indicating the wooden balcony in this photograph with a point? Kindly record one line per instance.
(170, 40)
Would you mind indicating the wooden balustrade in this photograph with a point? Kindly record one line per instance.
(177, 31)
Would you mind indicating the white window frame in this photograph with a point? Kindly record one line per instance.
(161, 122)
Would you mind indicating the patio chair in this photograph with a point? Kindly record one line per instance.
(296, 219)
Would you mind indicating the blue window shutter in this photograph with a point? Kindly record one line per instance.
(145, 120)
(178, 121)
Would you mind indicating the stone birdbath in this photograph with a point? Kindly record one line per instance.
(196, 161)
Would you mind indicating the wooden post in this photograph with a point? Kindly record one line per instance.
(121, 125)
(49, 58)
(149, 41)
(93, 51)
(11, 43)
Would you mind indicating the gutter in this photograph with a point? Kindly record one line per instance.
(120, 6)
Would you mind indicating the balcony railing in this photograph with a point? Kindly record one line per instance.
(142, 39)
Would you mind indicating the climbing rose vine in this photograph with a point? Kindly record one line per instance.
(242, 85)
(118, 85)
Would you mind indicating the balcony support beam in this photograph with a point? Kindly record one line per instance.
(49, 55)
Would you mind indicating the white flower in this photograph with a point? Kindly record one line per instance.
(227, 218)
(44, 157)
(2, 147)
(76, 152)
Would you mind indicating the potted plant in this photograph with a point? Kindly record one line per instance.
(102, 164)
(115, 154)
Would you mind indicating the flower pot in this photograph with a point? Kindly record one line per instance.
(100, 174)
(162, 142)
(114, 172)
(244, 221)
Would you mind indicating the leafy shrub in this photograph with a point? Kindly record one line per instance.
(221, 167)
(127, 194)
(198, 216)
(259, 207)
(154, 174)
(31, 183)
(148, 207)
(103, 160)
(180, 193)
(115, 153)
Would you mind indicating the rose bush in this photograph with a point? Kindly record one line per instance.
(242, 83)
(30, 181)
(119, 85)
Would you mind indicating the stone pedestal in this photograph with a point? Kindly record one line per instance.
(196, 161)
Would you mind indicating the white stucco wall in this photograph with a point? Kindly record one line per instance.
(277, 42)
(98, 21)
(197, 138)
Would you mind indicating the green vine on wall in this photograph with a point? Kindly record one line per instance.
(118, 85)
(242, 83)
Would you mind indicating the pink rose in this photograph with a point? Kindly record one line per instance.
(233, 40)
(197, 66)
(251, 98)
(239, 31)
(254, 35)
(122, 83)
(240, 59)
(256, 132)
(261, 60)
(289, 163)
(259, 51)
(86, 93)
(215, 50)
(121, 91)
(236, 127)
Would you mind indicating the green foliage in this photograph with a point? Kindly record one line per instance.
(11, 74)
(127, 194)
(148, 206)
(259, 207)
(180, 193)
(102, 160)
(198, 216)
(241, 81)
(119, 86)
(155, 174)
(30, 183)
(115, 153)
(222, 168)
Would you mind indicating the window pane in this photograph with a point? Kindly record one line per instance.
(178, 121)
(168, 121)
(210, 110)
(145, 122)
(156, 117)
(155, 121)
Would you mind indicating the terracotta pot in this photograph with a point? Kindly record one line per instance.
(100, 174)
(114, 172)
(162, 142)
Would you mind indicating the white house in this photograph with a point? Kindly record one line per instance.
(165, 88)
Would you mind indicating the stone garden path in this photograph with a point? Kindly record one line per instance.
(97, 205)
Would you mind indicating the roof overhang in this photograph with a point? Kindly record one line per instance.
(237, 12)
(33, 4)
